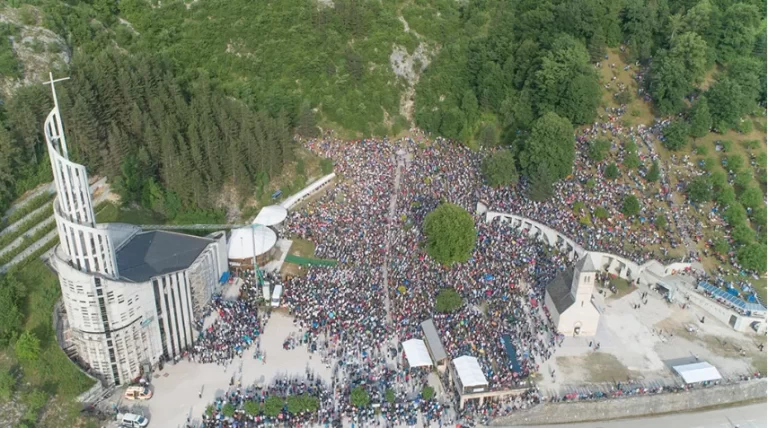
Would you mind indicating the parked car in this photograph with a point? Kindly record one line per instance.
(132, 420)
(138, 393)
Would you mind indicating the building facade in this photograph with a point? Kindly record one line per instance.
(131, 297)
(569, 299)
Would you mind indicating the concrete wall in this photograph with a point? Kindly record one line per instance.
(636, 406)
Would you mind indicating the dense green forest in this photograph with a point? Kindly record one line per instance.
(486, 71)
(167, 143)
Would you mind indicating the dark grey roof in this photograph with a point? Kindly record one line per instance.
(155, 253)
(586, 264)
(433, 340)
(559, 290)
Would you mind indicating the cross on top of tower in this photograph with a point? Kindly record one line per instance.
(53, 88)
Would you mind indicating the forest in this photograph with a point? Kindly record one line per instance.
(487, 72)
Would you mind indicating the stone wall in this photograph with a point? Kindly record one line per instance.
(637, 406)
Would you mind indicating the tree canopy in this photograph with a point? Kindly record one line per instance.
(550, 145)
(451, 235)
(499, 169)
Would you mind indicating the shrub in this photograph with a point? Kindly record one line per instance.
(427, 393)
(612, 171)
(601, 213)
(734, 163)
(598, 149)
(359, 397)
(631, 206)
(660, 222)
(448, 300)
(653, 173)
(699, 189)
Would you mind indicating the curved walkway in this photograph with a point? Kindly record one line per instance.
(647, 273)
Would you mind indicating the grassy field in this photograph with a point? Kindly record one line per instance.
(623, 287)
(301, 248)
(53, 373)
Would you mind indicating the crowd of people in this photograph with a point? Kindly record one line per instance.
(356, 313)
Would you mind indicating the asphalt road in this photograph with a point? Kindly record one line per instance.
(750, 416)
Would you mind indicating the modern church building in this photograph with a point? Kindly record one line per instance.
(131, 296)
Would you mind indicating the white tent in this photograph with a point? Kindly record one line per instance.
(469, 372)
(416, 353)
(249, 242)
(698, 372)
(271, 215)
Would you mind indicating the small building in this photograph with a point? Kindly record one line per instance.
(741, 315)
(416, 353)
(569, 299)
(697, 372)
(469, 377)
(248, 243)
(434, 344)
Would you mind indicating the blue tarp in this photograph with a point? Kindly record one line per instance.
(719, 292)
(277, 194)
(506, 342)
(224, 277)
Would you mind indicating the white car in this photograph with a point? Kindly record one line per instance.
(132, 420)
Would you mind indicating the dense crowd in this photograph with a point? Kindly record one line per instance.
(343, 311)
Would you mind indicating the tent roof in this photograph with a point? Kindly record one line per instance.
(416, 353)
(736, 301)
(697, 372)
(433, 339)
(241, 243)
(469, 371)
(271, 215)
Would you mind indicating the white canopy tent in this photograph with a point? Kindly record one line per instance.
(469, 372)
(416, 353)
(697, 372)
(247, 242)
(271, 215)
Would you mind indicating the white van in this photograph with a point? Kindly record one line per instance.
(132, 420)
(265, 290)
(276, 294)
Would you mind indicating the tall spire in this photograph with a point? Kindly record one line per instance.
(62, 139)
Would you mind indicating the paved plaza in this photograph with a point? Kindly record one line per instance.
(641, 344)
(176, 387)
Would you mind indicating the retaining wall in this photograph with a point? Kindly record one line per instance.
(637, 406)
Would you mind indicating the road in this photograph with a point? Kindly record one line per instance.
(750, 416)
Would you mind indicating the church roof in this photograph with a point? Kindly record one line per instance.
(586, 264)
(559, 291)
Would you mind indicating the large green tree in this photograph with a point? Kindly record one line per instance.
(676, 135)
(451, 235)
(499, 169)
(669, 83)
(700, 118)
(550, 145)
(728, 103)
(566, 83)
